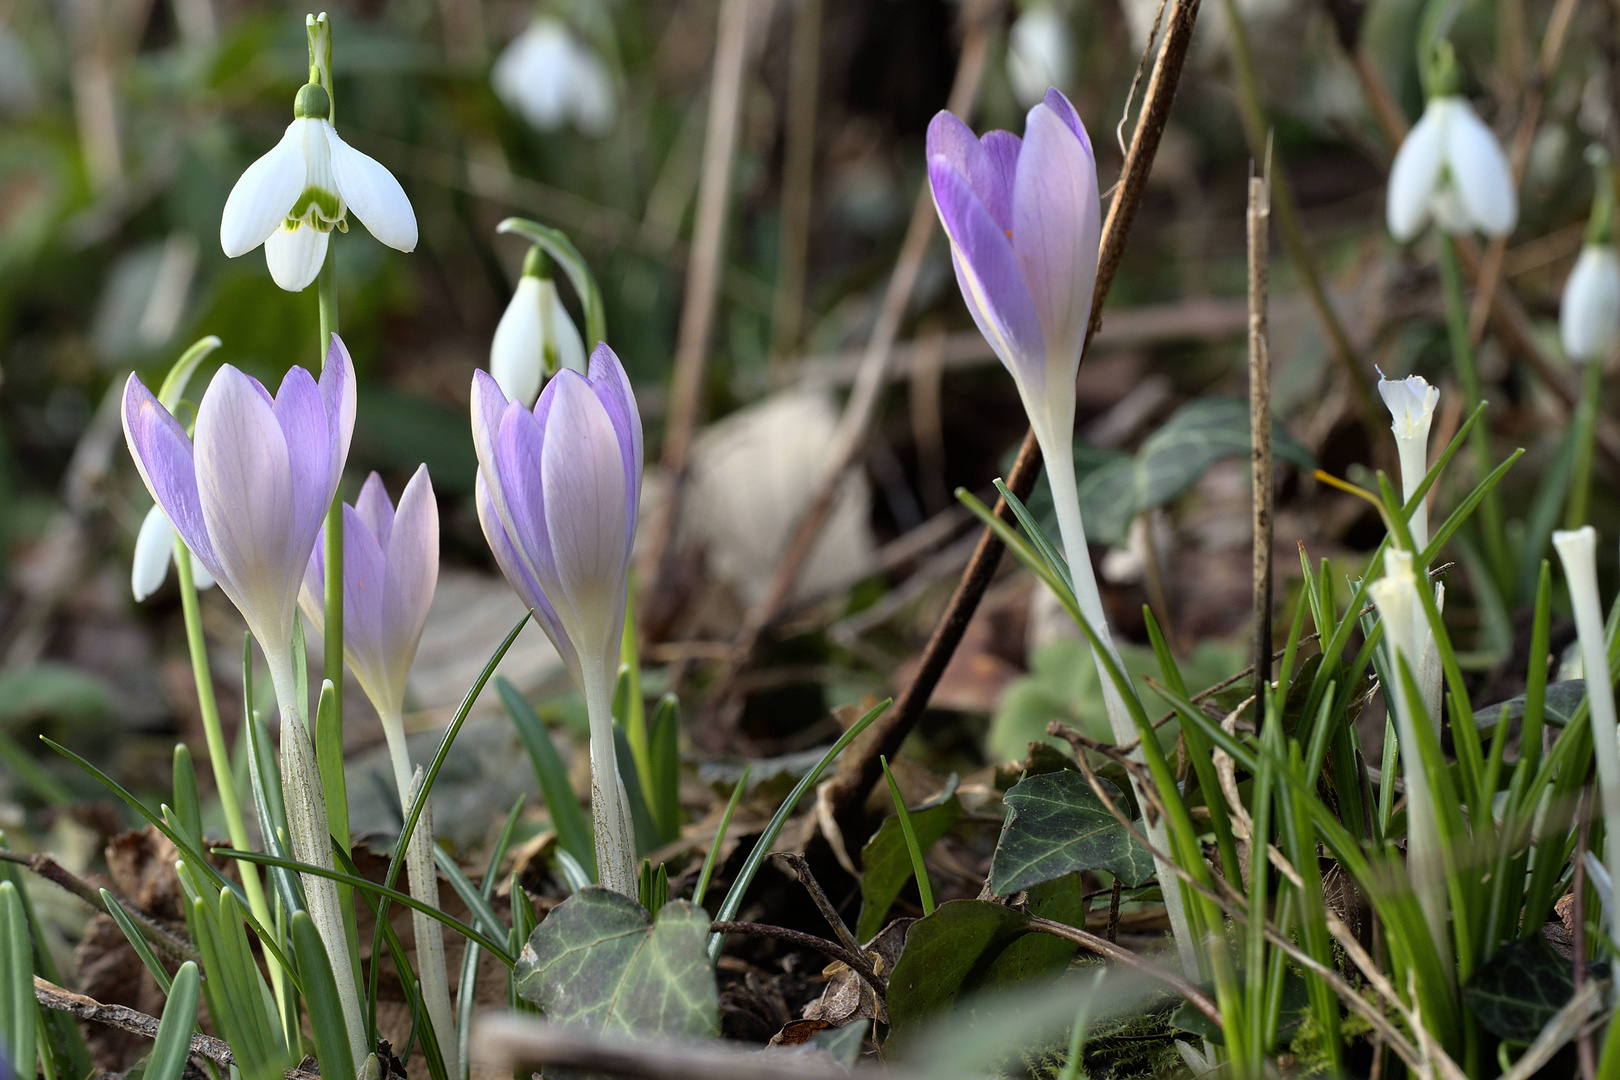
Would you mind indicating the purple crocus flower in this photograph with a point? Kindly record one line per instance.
(557, 492)
(249, 496)
(1024, 222)
(390, 569)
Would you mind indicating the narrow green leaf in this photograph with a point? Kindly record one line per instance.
(573, 830)
(925, 891)
(187, 804)
(560, 248)
(172, 1046)
(137, 940)
(174, 383)
(886, 863)
(467, 985)
(19, 1015)
(321, 998)
(666, 768)
(719, 837)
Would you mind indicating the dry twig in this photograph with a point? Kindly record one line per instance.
(1259, 223)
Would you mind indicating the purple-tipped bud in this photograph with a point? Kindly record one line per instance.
(248, 498)
(1024, 222)
(390, 569)
(558, 488)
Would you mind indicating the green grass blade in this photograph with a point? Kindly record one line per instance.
(19, 1014)
(321, 999)
(665, 799)
(137, 941)
(719, 837)
(172, 1046)
(573, 829)
(925, 891)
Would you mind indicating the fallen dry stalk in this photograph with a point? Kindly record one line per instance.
(175, 945)
(861, 769)
(1259, 228)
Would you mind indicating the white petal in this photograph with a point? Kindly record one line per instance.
(373, 195)
(516, 353)
(200, 577)
(570, 346)
(595, 103)
(295, 256)
(1589, 319)
(1479, 171)
(153, 547)
(263, 194)
(535, 73)
(1416, 173)
(1039, 54)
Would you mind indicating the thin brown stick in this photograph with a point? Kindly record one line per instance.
(856, 420)
(508, 1043)
(850, 786)
(798, 170)
(853, 961)
(1107, 949)
(801, 867)
(1259, 227)
(703, 271)
(174, 944)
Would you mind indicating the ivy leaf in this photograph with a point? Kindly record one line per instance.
(1563, 700)
(600, 961)
(886, 862)
(1520, 988)
(1058, 826)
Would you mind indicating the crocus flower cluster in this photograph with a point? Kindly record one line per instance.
(1451, 169)
(551, 79)
(535, 337)
(1024, 222)
(557, 490)
(248, 499)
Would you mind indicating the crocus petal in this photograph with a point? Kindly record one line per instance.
(1001, 149)
(307, 435)
(373, 194)
(988, 177)
(246, 489)
(412, 550)
(375, 509)
(988, 274)
(517, 486)
(154, 547)
(263, 194)
(339, 398)
(1589, 318)
(1478, 170)
(1065, 111)
(511, 564)
(612, 385)
(1057, 225)
(163, 456)
(365, 599)
(295, 255)
(582, 469)
(516, 354)
(1416, 173)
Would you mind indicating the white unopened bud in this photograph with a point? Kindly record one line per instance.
(534, 339)
(154, 549)
(1411, 404)
(1589, 318)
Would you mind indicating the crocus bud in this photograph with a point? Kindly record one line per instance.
(154, 550)
(1577, 550)
(1039, 53)
(248, 501)
(1024, 222)
(558, 494)
(1451, 168)
(535, 337)
(1411, 404)
(390, 569)
(550, 78)
(1589, 318)
(292, 198)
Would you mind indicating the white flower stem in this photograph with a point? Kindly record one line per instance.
(1577, 552)
(610, 806)
(1066, 499)
(431, 971)
(312, 840)
(1424, 856)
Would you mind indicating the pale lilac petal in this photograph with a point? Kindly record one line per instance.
(1415, 174)
(264, 194)
(1060, 105)
(511, 564)
(308, 438)
(1001, 149)
(245, 484)
(518, 486)
(312, 593)
(375, 509)
(612, 385)
(413, 573)
(949, 138)
(163, 456)
(988, 273)
(339, 398)
(489, 404)
(1057, 224)
(365, 600)
(583, 474)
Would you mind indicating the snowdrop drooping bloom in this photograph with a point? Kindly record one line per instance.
(292, 198)
(1411, 404)
(1589, 316)
(1451, 169)
(154, 551)
(558, 489)
(1577, 550)
(552, 79)
(535, 337)
(1039, 53)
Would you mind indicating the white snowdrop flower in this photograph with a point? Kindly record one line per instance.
(154, 550)
(292, 198)
(1589, 317)
(552, 79)
(535, 337)
(1040, 53)
(1411, 404)
(1451, 168)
